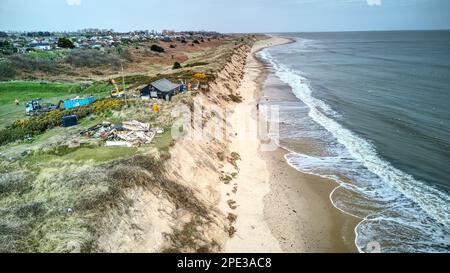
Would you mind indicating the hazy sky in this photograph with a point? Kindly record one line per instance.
(225, 15)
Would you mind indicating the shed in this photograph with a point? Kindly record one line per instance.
(161, 89)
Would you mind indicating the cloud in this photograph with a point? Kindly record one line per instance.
(374, 2)
(73, 2)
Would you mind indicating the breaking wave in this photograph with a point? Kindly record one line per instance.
(398, 212)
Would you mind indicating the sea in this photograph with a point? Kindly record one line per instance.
(371, 110)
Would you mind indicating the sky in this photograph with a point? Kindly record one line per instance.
(224, 15)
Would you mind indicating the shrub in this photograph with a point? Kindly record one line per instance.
(233, 159)
(6, 71)
(221, 156)
(226, 179)
(91, 58)
(173, 46)
(157, 48)
(137, 80)
(235, 98)
(196, 42)
(126, 41)
(235, 156)
(126, 54)
(189, 74)
(65, 43)
(8, 135)
(30, 63)
(200, 76)
(176, 65)
(196, 64)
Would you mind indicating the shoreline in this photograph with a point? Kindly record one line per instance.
(280, 209)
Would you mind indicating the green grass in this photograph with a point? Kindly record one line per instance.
(62, 154)
(162, 142)
(37, 191)
(100, 154)
(49, 92)
(56, 197)
(47, 54)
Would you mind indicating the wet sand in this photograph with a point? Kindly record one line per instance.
(300, 214)
(298, 209)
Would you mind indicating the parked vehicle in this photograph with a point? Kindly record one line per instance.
(38, 106)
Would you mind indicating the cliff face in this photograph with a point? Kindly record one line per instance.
(180, 212)
(195, 162)
(230, 77)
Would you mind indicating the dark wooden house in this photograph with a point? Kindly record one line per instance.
(161, 89)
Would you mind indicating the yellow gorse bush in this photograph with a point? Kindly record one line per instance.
(103, 105)
(200, 76)
(21, 123)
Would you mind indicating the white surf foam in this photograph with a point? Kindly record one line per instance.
(376, 178)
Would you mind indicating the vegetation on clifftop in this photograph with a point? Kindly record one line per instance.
(57, 187)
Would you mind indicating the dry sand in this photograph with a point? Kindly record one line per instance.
(253, 181)
(279, 209)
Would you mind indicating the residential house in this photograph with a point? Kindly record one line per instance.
(40, 46)
(161, 89)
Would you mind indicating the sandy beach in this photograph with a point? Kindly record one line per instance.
(278, 209)
(253, 181)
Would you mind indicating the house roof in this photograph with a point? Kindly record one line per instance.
(38, 44)
(164, 85)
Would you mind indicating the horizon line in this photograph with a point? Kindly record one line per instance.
(257, 32)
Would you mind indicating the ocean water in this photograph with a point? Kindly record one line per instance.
(372, 112)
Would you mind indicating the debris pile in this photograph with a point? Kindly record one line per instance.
(128, 134)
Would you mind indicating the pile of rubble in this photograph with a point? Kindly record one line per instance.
(128, 134)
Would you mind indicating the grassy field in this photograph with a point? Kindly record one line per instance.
(48, 54)
(57, 187)
(56, 195)
(49, 92)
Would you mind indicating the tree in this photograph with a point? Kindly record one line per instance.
(176, 65)
(65, 43)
